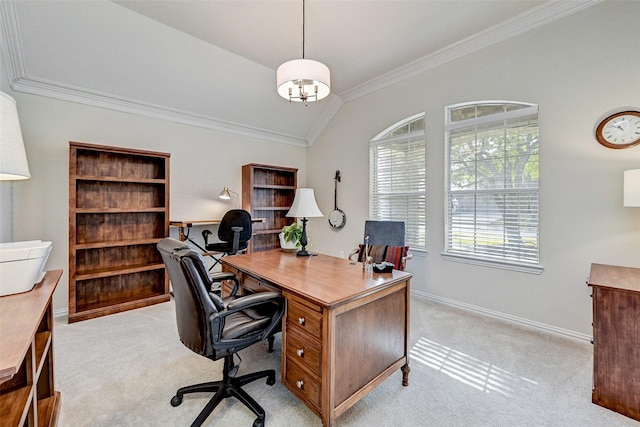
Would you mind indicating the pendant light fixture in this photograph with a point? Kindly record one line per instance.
(303, 80)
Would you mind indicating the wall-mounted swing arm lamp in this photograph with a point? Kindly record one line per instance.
(304, 206)
(632, 188)
(225, 194)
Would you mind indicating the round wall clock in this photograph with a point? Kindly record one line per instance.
(619, 130)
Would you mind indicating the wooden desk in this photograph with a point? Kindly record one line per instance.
(27, 395)
(344, 331)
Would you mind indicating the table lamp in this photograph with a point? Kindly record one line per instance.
(304, 206)
(13, 158)
(632, 188)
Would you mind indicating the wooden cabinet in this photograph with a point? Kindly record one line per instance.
(27, 394)
(268, 192)
(118, 211)
(616, 338)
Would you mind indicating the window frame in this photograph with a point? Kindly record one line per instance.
(415, 231)
(478, 258)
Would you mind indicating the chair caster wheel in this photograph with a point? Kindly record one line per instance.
(258, 423)
(176, 400)
(271, 381)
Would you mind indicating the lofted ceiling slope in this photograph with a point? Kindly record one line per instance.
(212, 63)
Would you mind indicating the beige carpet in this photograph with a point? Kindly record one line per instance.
(466, 370)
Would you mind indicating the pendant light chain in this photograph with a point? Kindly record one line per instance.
(303, 22)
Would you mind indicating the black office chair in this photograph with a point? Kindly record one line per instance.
(217, 329)
(386, 243)
(234, 233)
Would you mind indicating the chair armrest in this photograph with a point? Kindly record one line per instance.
(252, 300)
(205, 236)
(221, 276)
(236, 240)
(404, 261)
(259, 298)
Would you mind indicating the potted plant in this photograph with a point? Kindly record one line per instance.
(290, 237)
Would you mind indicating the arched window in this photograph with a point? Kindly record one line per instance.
(491, 187)
(397, 178)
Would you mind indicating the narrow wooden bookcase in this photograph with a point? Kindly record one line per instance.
(268, 192)
(118, 211)
(27, 393)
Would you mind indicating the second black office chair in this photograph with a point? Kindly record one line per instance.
(217, 328)
(234, 233)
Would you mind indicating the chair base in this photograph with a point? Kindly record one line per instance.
(227, 387)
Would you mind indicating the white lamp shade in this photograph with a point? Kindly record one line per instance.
(304, 204)
(311, 73)
(632, 188)
(13, 158)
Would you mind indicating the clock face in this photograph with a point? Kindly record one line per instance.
(620, 130)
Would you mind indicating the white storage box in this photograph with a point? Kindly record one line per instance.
(22, 265)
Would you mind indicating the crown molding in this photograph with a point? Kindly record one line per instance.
(537, 17)
(325, 118)
(12, 47)
(63, 92)
(20, 81)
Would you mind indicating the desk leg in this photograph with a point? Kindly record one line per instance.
(405, 374)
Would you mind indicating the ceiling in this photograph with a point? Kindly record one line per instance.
(212, 63)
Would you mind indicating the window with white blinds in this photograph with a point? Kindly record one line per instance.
(397, 181)
(492, 177)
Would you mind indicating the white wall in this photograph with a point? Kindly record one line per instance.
(202, 163)
(576, 69)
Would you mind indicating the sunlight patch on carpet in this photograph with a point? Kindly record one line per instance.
(469, 370)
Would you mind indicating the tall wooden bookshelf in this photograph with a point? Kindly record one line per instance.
(118, 211)
(268, 192)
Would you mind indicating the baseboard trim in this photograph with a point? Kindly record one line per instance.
(63, 312)
(503, 316)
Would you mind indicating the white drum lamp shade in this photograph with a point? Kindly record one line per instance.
(13, 158)
(632, 188)
(299, 79)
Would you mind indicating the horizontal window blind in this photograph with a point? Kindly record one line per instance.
(492, 209)
(397, 182)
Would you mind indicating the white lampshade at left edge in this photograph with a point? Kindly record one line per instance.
(13, 158)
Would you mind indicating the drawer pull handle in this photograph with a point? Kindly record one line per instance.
(299, 383)
(300, 352)
(301, 320)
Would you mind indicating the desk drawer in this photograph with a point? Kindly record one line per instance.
(253, 284)
(302, 383)
(304, 318)
(303, 350)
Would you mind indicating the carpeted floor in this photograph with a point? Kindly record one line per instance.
(466, 370)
